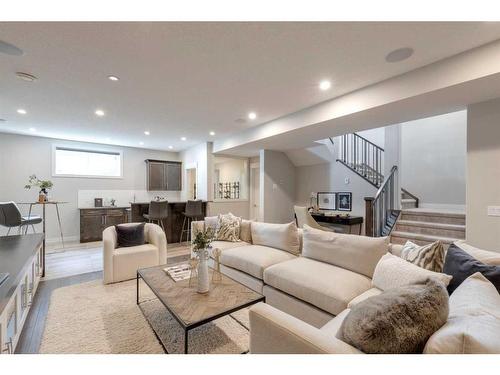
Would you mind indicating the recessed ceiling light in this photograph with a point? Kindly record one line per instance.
(252, 115)
(183, 138)
(32, 130)
(99, 112)
(26, 76)
(170, 147)
(399, 54)
(21, 111)
(325, 85)
(141, 143)
(113, 78)
(147, 132)
(212, 133)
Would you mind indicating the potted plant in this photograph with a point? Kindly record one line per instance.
(200, 245)
(44, 186)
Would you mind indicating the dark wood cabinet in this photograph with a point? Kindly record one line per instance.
(164, 175)
(94, 220)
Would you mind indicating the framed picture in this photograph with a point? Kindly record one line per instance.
(344, 201)
(327, 201)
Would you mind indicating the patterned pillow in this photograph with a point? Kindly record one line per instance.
(429, 257)
(228, 228)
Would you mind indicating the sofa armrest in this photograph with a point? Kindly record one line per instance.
(273, 331)
(109, 246)
(157, 237)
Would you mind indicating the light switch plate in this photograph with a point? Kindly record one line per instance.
(346, 180)
(493, 210)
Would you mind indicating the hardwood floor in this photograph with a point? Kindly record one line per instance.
(74, 265)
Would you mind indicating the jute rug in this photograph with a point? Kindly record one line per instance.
(96, 318)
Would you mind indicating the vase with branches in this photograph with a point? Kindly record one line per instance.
(43, 185)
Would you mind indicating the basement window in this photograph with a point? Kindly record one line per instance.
(81, 162)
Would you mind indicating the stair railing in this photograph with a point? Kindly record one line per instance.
(363, 157)
(379, 208)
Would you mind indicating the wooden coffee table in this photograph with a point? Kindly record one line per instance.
(190, 308)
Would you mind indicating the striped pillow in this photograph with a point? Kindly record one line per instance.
(429, 257)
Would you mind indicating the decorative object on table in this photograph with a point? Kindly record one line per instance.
(112, 202)
(179, 272)
(327, 201)
(193, 265)
(44, 185)
(344, 201)
(97, 202)
(216, 275)
(200, 244)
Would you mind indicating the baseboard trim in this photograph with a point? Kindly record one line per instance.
(55, 240)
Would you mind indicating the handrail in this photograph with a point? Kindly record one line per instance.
(366, 140)
(386, 181)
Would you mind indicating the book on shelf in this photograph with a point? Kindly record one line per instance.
(179, 272)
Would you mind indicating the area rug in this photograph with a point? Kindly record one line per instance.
(92, 318)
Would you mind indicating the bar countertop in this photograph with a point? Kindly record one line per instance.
(15, 253)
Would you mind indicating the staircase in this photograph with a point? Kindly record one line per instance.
(423, 226)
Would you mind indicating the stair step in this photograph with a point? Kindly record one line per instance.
(398, 237)
(433, 229)
(445, 217)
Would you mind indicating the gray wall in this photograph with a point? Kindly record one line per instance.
(483, 174)
(434, 157)
(21, 156)
(277, 187)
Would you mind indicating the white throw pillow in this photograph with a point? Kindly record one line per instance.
(473, 325)
(394, 272)
(279, 236)
(355, 253)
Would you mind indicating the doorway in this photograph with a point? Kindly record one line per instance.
(191, 183)
(255, 191)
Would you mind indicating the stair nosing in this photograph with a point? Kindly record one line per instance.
(431, 213)
(424, 237)
(428, 224)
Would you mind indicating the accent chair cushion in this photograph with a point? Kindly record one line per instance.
(461, 265)
(127, 260)
(356, 253)
(279, 236)
(323, 285)
(429, 257)
(473, 325)
(253, 259)
(400, 320)
(130, 235)
(393, 272)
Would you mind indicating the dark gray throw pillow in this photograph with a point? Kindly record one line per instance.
(460, 264)
(130, 235)
(398, 321)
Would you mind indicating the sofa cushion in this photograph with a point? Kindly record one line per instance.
(473, 324)
(224, 245)
(461, 265)
(488, 257)
(323, 285)
(246, 231)
(369, 293)
(253, 259)
(356, 253)
(399, 320)
(280, 236)
(394, 272)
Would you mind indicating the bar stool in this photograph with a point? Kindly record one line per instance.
(194, 211)
(11, 217)
(158, 211)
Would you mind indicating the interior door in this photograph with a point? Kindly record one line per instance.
(255, 193)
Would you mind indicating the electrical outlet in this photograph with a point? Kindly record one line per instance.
(493, 210)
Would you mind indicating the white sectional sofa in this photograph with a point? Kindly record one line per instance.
(310, 288)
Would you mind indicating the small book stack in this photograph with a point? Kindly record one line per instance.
(179, 272)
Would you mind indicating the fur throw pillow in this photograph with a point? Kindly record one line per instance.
(228, 228)
(400, 320)
(429, 257)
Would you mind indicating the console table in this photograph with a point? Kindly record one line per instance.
(339, 220)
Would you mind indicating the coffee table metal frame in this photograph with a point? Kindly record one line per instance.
(188, 327)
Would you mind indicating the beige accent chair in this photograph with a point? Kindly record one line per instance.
(121, 264)
(304, 217)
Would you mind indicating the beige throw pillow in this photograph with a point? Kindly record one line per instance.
(355, 253)
(392, 272)
(429, 257)
(228, 228)
(473, 325)
(491, 258)
(279, 236)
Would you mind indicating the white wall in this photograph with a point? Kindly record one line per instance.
(22, 156)
(433, 159)
(196, 156)
(483, 174)
(277, 187)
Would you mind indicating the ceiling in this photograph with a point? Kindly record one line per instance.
(187, 79)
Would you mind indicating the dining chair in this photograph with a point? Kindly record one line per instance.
(10, 217)
(303, 216)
